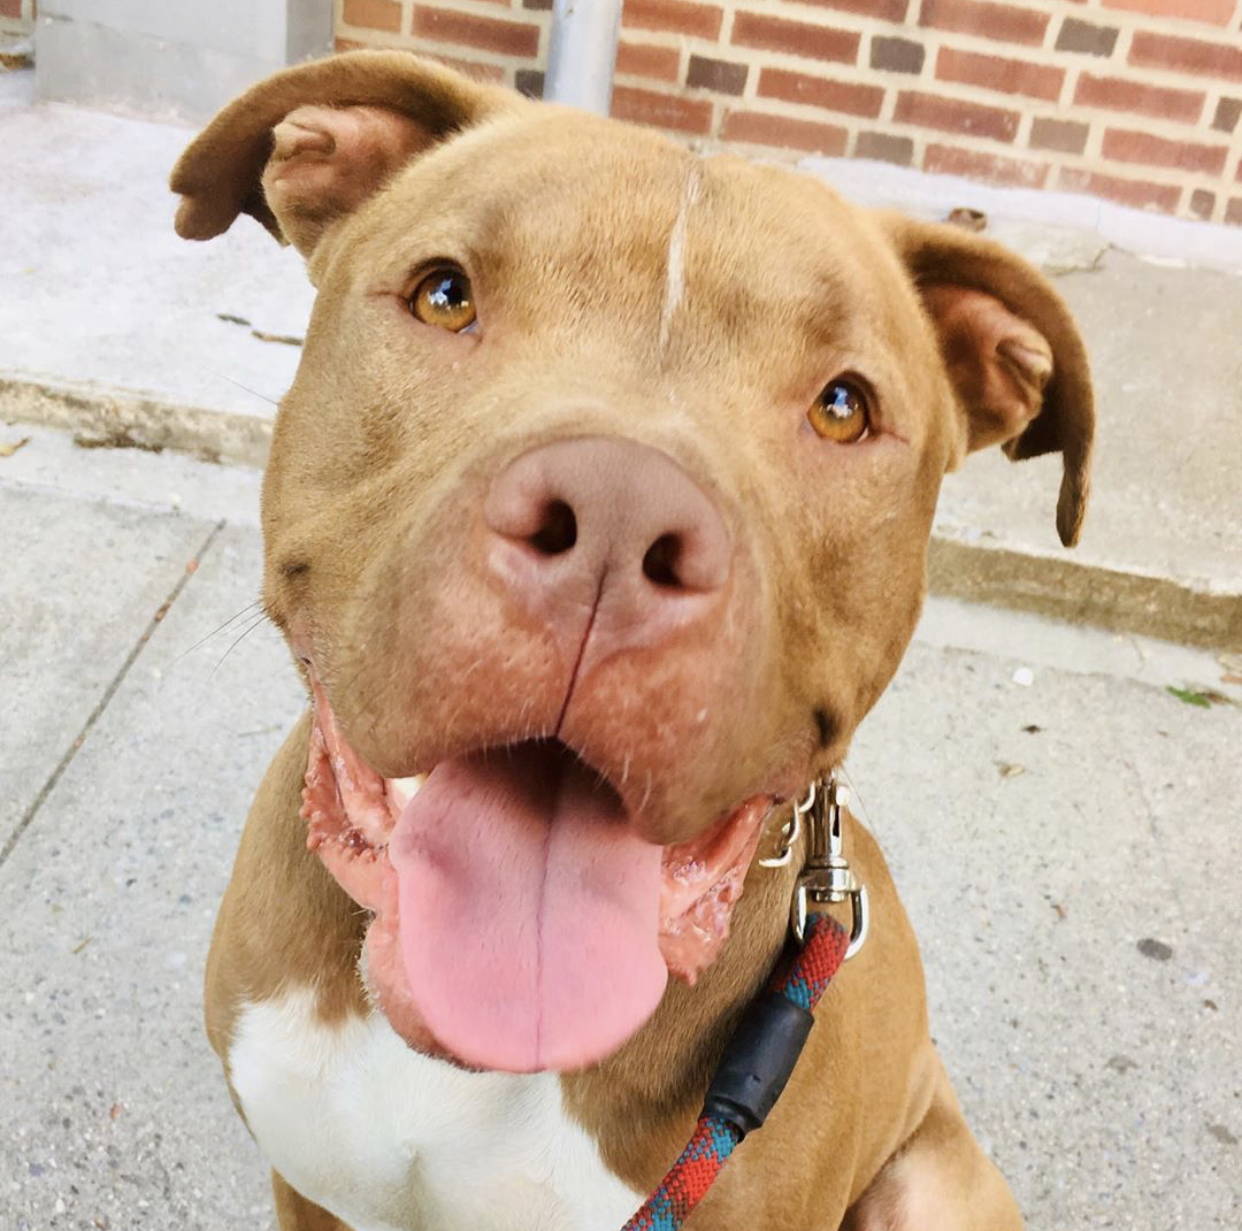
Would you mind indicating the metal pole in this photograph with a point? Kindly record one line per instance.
(583, 53)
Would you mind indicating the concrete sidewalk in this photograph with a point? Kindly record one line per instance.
(1063, 829)
(113, 328)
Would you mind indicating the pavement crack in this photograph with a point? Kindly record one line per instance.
(104, 701)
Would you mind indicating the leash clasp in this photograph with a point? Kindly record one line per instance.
(826, 878)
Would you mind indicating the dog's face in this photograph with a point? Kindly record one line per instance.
(596, 515)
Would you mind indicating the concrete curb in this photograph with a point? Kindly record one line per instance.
(1084, 593)
(1001, 575)
(101, 417)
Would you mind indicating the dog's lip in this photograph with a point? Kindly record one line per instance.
(776, 789)
(704, 871)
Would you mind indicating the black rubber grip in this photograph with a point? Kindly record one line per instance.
(758, 1062)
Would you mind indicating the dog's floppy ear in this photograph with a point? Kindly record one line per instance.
(1013, 353)
(308, 145)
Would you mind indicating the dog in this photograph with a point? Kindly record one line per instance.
(596, 520)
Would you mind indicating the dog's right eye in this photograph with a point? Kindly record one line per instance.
(444, 299)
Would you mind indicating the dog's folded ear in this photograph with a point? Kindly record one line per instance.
(308, 145)
(1011, 349)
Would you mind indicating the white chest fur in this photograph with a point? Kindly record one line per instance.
(390, 1140)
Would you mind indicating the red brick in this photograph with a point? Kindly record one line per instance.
(1014, 172)
(1120, 95)
(676, 15)
(998, 73)
(373, 14)
(10, 8)
(1142, 194)
(797, 38)
(884, 10)
(1130, 145)
(1188, 55)
(759, 129)
(1007, 23)
(1218, 12)
(954, 116)
(645, 60)
(845, 96)
(691, 115)
(350, 44)
(511, 38)
(1233, 211)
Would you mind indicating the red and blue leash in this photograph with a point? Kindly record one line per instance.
(756, 1066)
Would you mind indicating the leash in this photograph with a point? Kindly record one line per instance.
(760, 1057)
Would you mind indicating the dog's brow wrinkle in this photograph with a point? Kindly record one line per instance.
(675, 260)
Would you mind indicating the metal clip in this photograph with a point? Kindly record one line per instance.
(791, 833)
(826, 877)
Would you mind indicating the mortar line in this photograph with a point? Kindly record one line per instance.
(104, 701)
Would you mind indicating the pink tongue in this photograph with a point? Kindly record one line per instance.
(528, 911)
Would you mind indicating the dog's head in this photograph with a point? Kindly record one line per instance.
(596, 516)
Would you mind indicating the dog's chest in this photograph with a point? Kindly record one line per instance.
(389, 1140)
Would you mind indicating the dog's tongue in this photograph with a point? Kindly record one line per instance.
(528, 911)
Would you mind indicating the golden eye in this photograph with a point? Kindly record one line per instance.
(841, 413)
(444, 299)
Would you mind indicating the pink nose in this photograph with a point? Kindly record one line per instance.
(611, 526)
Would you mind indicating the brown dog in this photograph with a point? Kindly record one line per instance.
(596, 519)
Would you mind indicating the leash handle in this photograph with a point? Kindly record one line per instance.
(757, 1064)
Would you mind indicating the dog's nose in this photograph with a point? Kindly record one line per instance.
(610, 525)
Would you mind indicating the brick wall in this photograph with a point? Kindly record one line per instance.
(1138, 101)
(16, 16)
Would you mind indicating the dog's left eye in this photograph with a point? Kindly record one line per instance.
(841, 413)
(444, 299)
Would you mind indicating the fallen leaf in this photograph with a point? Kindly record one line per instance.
(1032, 729)
(968, 219)
(1009, 770)
(7, 450)
(1204, 698)
(229, 319)
(1062, 913)
(287, 338)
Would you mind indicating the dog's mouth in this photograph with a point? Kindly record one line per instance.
(519, 920)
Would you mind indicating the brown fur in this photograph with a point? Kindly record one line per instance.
(385, 446)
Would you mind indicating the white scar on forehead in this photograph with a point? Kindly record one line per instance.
(675, 261)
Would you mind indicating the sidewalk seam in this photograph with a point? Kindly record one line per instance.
(19, 830)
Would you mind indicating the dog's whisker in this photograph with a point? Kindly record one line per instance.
(249, 607)
(254, 624)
